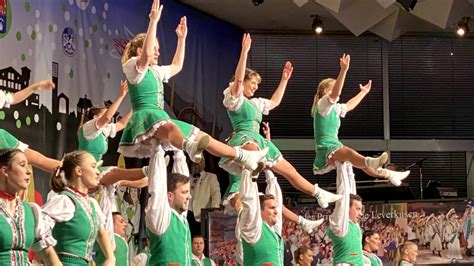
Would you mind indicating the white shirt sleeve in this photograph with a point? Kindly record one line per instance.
(325, 105)
(232, 103)
(273, 188)
(250, 222)
(91, 131)
(43, 232)
(135, 76)
(5, 99)
(59, 208)
(263, 105)
(339, 219)
(180, 166)
(162, 72)
(158, 210)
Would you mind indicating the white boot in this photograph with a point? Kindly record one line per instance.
(308, 225)
(195, 148)
(377, 162)
(325, 197)
(252, 160)
(395, 177)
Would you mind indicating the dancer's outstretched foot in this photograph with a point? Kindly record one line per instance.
(325, 197)
(195, 148)
(377, 162)
(252, 160)
(395, 177)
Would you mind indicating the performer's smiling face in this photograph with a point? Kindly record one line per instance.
(156, 53)
(17, 174)
(269, 211)
(250, 86)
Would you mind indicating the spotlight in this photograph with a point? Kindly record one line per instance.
(408, 4)
(257, 2)
(463, 27)
(317, 26)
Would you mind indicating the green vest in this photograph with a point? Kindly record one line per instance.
(16, 235)
(268, 249)
(97, 147)
(174, 246)
(207, 262)
(246, 118)
(373, 258)
(326, 141)
(76, 236)
(121, 252)
(348, 249)
(148, 93)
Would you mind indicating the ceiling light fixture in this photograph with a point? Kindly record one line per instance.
(257, 2)
(317, 25)
(463, 27)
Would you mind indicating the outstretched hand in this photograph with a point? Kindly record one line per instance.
(44, 84)
(246, 43)
(344, 62)
(366, 88)
(287, 70)
(266, 130)
(123, 88)
(155, 12)
(182, 29)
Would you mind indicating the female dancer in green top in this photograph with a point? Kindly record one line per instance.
(149, 121)
(326, 113)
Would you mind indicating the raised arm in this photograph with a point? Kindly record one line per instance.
(238, 87)
(178, 59)
(354, 101)
(280, 91)
(344, 62)
(149, 45)
(107, 116)
(20, 96)
(250, 222)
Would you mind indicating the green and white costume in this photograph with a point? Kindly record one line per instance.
(246, 116)
(261, 242)
(7, 140)
(75, 220)
(146, 93)
(345, 234)
(371, 259)
(121, 252)
(202, 261)
(24, 230)
(326, 123)
(168, 230)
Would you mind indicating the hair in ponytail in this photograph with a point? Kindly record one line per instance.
(89, 114)
(298, 252)
(132, 47)
(64, 172)
(323, 84)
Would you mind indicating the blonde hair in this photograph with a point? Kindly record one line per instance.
(323, 84)
(401, 251)
(132, 47)
(64, 172)
(249, 74)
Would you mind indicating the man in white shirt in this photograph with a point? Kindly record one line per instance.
(198, 253)
(206, 192)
